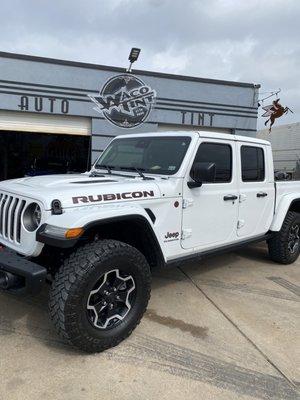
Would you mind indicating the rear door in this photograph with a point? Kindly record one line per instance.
(256, 187)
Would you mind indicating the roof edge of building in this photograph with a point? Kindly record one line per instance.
(280, 127)
(119, 69)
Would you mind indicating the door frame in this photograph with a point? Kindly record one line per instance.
(267, 186)
(233, 188)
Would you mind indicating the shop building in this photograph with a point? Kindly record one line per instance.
(285, 140)
(57, 116)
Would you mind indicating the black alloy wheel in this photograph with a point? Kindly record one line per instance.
(100, 294)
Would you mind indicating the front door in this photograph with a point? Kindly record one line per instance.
(256, 202)
(210, 212)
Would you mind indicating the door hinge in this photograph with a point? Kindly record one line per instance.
(240, 223)
(187, 203)
(186, 233)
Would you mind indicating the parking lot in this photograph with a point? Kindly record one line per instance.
(226, 328)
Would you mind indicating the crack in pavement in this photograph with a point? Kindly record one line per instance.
(245, 288)
(289, 381)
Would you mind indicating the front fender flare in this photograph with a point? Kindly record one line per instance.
(89, 217)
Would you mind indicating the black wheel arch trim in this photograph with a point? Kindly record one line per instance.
(297, 200)
(137, 218)
(290, 208)
(65, 243)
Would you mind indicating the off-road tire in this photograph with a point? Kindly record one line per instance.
(73, 283)
(278, 244)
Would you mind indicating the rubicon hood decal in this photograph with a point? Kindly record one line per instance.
(113, 196)
(45, 189)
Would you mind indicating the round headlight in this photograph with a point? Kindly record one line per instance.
(32, 217)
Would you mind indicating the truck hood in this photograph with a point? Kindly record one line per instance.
(74, 190)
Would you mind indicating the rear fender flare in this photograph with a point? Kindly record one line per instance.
(286, 203)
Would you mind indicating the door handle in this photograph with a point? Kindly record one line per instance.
(261, 194)
(230, 197)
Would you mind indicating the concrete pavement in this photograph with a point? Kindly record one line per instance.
(226, 328)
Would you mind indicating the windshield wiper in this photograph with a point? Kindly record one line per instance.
(109, 168)
(139, 171)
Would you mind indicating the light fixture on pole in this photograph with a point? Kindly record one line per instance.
(133, 56)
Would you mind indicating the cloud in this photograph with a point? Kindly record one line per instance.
(255, 41)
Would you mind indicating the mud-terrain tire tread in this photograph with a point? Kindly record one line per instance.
(72, 275)
(278, 250)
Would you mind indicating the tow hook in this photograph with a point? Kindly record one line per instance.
(9, 281)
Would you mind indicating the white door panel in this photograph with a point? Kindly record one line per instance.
(210, 218)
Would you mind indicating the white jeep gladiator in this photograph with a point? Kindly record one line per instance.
(150, 200)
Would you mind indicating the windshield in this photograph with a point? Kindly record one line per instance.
(155, 155)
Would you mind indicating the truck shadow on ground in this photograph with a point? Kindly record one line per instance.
(256, 253)
(28, 316)
(202, 266)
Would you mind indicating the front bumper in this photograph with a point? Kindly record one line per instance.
(32, 276)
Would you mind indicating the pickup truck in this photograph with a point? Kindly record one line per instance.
(150, 200)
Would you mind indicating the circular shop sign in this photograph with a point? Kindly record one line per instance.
(125, 101)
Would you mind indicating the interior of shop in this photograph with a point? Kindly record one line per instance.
(30, 154)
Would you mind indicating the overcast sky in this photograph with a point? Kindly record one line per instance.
(255, 41)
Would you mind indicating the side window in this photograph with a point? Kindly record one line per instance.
(221, 155)
(253, 164)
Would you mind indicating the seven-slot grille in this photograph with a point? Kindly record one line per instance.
(11, 208)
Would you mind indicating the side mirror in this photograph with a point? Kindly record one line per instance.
(202, 172)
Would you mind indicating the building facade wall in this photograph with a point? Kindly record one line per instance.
(54, 87)
(285, 140)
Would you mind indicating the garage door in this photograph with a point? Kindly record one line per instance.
(32, 122)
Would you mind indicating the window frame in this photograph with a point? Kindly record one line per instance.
(231, 161)
(264, 163)
(149, 172)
